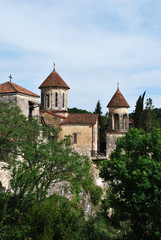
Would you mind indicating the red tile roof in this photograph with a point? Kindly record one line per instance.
(81, 118)
(118, 100)
(54, 80)
(10, 87)
(52, 113)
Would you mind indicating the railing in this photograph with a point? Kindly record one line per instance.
(98, 154)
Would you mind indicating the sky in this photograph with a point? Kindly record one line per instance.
(94, 43)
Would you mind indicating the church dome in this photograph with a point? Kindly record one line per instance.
(118, 100)
(54, 80)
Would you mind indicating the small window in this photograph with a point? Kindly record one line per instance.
(63, 99)
(56, 99)
(47, 99)
(75, 138)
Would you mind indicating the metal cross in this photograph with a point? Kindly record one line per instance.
(118, 86)
(10, 77)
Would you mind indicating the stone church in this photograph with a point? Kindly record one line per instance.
(83, 128)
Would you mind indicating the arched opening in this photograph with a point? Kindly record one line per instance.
(31, 109)
(56, 99)
(63, 100)
(47, 99)
(42, 100)
(125, 121)
(116, 121)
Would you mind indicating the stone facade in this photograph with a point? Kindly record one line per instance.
(29, 105)
(54, 99)
(118, 118)
(51, 119)
(84, 137)
(118, 121)
(111, 139)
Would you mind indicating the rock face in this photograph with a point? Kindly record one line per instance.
(97, 180)
(5, 176)
(62, 188)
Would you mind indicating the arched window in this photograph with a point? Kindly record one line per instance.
(42, 100)
(56, 99)
(116, 121)
(125, 121)
(63, 100)
(47, 99)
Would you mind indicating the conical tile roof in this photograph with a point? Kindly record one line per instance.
(10, 87)
(54, 80)
(118, 100)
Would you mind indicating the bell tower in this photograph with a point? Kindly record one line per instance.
(118, 120)
(54, 94)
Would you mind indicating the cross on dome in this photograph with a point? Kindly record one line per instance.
(10, 77)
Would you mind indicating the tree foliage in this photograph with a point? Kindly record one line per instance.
(103, 122)
(145, 118)
(138, 113)
(37, 161)
(77, 110)
(134, 177)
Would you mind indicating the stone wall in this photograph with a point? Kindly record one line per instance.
(111, 139)
(52, 91)
(22, 101)
(84, 137)
(52, 120)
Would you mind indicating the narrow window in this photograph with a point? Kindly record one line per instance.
(31, 108)
(75, 138)
(42, 100)
(47, 99)
(63, 99)
(56, 99)
(116, 121)
(125, 121)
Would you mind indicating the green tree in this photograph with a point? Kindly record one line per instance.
(149, 116)
(98, 109)
(103, 122)
(138, 113)
(55, 218)
(77, 110)
(36, 160)
(134, 177)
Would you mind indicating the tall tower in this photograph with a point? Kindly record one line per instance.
(54, 93)
(118, 120)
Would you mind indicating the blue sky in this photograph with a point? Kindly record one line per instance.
(94, 43)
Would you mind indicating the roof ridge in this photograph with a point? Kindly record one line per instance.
(12, 86)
